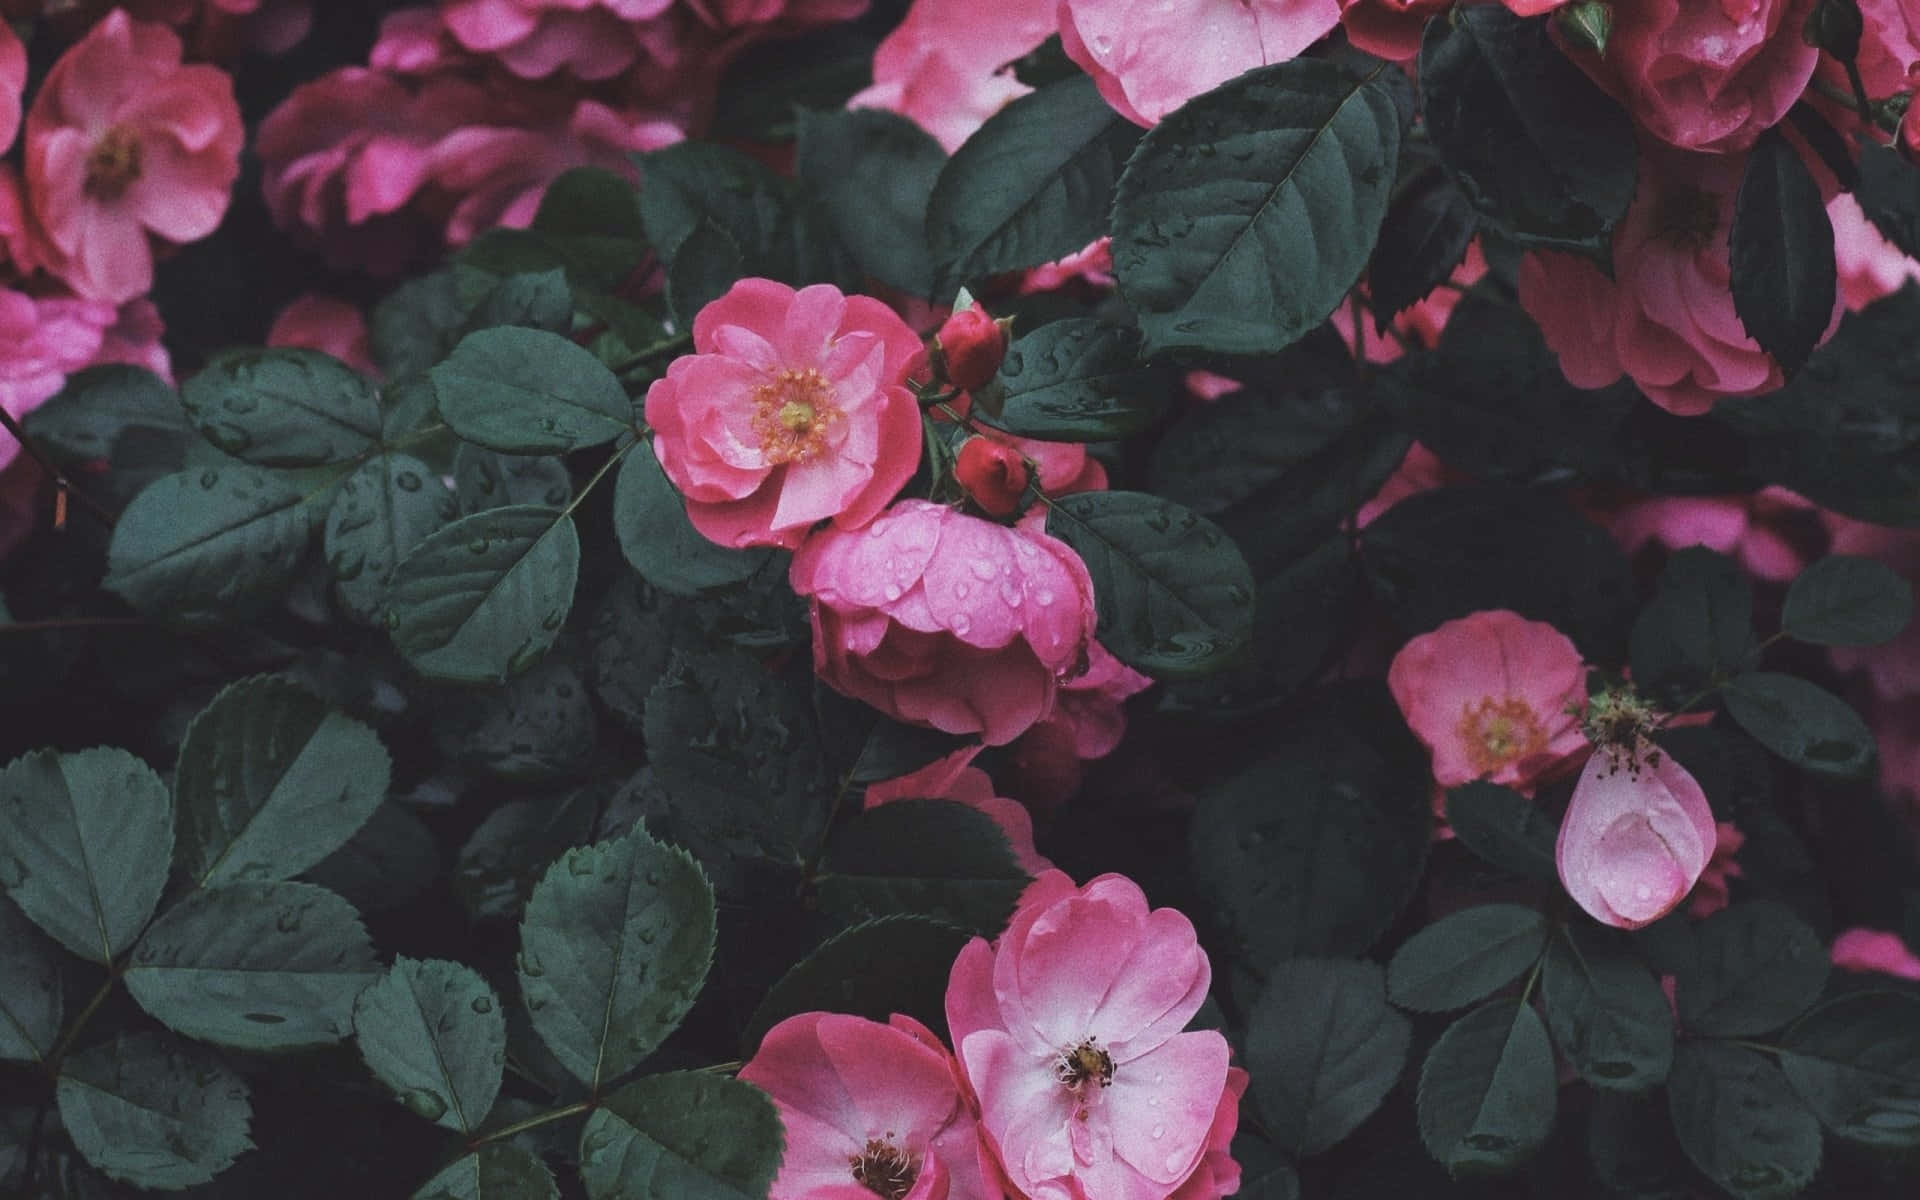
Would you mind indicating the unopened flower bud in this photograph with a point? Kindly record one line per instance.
(971, 345)
(994, 475)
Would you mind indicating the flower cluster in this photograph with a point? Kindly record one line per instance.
(1073, 1072)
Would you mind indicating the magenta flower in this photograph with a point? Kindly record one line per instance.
(946, 620)
(1493, 696)
(941, 67)
(123, 143)
(592, 39)
(955, 778)
(792, 410)
(869, 1110)
(1069, 1033)
(1637, 835)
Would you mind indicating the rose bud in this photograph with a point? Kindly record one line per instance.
(994, 475)
(971, 344)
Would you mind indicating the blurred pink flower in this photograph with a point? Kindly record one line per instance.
(1712, 893)
(1420, 471)
(792, 410)
(1756, 529)
(1389, 28)
(591, 39)
(221, 29)
(1149, 57)
(1874, 950)
(947, 620)
(868, 1109)
(124, 143)
(1893, 670)
(1870, 266)
(1087, 723)
(332, 326)
(942, 66)
(1637, 835)
(1494, 696)
(955, 778)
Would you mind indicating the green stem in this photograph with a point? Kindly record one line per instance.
(65, 1041)
(545, 1118)
(672, 345)
(54, 624)
(618, 454)
(723, 1068)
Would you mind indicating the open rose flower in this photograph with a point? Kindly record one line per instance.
(791, 411)
(1494, 696)
(123, 143)
(947, 620)
(1875, 950)
(954, 777)
(1068, 1030)
(869, 1110)
(1148, 57)
(1869, 265)
(592, 39)
(1638, 833)
(941, 67)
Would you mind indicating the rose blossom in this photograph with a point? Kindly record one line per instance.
(1218, 1174)
(329, 325)
(1709, 75)
(13, 80)
(1493, 696)
(955, 778)
(792, 410)
(592, 39)
(1149, 57)
(1389, 28)
(1869, 265)
(1756, 529)
(122, 142)
(1068, 1030)
(1637, 835)
(1667, 318)
(869, 1110)
(1875, 950)
(941, 67)
(1714, 890)
(1087, 723)
(993, 473)
(947, 620)
(225, 27)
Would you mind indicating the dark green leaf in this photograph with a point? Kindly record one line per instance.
(650, 521)
(614, 947)
(682, 1136)
(1740, 1123)
(1031, 185)
(872, 172)
(270, 781)
(407, 406)
(1543, 155)
(482, 599)
(255, 966)
(690, 182)
(592, 217)
(84, 844)
(1465, 956)
(1424, 237)
(539, 726)
(99, 404)
(1698, 626)
(1245, 216)
(1889, 193)
(484, 479)
(1487, 1091)
(210, 546)
(283, 408)
(527, 391)
(381, 512)
(1781, 253)
(1855, 1060)
(1846, 601)
(938, 858)
(1756, 966)
(1607, 1012)
(705, 265)
(1504, 828)
(1175, 596)
(1324, 1050)
(1076, 381)
(504, 858)
(1634, 1154)
(435, 1033)
(416, 324)
(153, 1112)
(897, 964)
(29, 992)
(496, 1171)
(526, 299)
(632, 637)
(1802, 723)
(1313, 849)
(391, 860)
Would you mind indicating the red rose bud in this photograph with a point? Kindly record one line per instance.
(972, 344)
(993, 473)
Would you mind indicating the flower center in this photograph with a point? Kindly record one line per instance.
(884, 1169)
(1686, 216)
(113, 165)
(1498, 732)
(791, 414)
(1084, 1063)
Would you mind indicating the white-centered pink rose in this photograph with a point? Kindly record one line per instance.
(1636, 837)
(1069, 1031)
(792, 410)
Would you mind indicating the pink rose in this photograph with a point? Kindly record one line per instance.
(1218, 1174)
(868, 1109)
(792, 410)
(972, 343)
(1666, 319)
(1493, 696)
(955, 778)
(1090, 269)
(1088, 723)
(1636, 836)
(946, 620)
(1149, 57)
(223, 28)
(1420, 471)
(1756, 529)
(1418, 326)
(1870, 266)
(331, 326)
(1705, 75)
(592, 39)
(993, 473)
(13, 80)
(1389, 28)
(1068, 1030)
(1713, 891)
(1873, 950)
(124, 142)
(941, 67)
